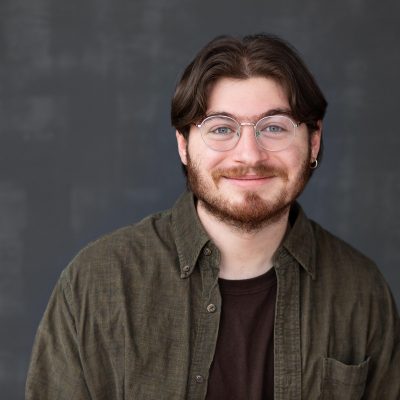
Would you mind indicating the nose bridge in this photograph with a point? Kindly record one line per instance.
(248, 148)
(253, 125)
(243, 124)
(248, 124)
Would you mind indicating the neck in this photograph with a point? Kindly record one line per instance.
(244, 255)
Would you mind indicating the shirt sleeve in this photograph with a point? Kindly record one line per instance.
(384, 372)
(55, 370)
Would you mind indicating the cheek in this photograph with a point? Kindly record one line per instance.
(296, 161)
(204, 158)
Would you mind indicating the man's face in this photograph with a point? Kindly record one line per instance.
(247, 186)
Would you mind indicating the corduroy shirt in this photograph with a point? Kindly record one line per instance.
(136, 313)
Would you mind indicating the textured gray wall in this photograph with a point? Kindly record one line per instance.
(86, 146)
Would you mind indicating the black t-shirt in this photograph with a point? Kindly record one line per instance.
(243, 366)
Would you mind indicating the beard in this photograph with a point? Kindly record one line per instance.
(253, 213)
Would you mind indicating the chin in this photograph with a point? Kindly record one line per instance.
(256, 198)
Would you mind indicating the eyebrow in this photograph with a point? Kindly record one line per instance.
(275, 111)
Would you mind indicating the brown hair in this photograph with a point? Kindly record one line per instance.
(240, 58)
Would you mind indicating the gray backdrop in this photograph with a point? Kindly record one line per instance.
(86, 145)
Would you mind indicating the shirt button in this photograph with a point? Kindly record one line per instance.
(186, 268)
(206, 251)
(211, 308)
(199, 378)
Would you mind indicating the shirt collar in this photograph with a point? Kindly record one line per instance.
(300, 240)
(190, 236)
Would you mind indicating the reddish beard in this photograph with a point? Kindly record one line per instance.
(259, 170)
(253, 213)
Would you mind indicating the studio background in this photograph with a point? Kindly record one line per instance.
(86, 144)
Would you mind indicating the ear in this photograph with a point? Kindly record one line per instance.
(316, 141)
(182, 147)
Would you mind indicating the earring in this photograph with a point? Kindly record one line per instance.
(314, 164)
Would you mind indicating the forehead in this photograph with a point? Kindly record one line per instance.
(246, 97)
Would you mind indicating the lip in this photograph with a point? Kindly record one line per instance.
(249, 180)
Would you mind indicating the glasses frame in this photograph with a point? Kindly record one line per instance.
(247, 123)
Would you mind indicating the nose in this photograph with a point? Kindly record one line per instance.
(247, 149)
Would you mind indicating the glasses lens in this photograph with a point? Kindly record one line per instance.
(220, 133)
(275, 133)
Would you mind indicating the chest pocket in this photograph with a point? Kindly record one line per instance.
(343, 382)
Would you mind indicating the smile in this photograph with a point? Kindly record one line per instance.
(248, 180)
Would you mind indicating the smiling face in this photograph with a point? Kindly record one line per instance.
(247, 186)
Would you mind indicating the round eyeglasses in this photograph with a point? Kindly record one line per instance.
(273, 133)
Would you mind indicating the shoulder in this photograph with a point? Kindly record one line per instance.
(338, 261)
(114, 254)
(328, 244)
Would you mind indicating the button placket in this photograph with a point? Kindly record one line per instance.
(204, 346)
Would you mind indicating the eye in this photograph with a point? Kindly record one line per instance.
(222, 130)
(271, 130)
(274, 129)
(219, 128)
(276, 126)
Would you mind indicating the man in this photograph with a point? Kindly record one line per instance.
(233, 293)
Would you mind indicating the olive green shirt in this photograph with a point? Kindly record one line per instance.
(135, 316)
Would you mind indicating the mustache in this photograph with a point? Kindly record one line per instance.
(260, 170)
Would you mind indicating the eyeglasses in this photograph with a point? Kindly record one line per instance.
(273, 133)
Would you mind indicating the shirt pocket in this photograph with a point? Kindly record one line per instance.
(341, 381)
